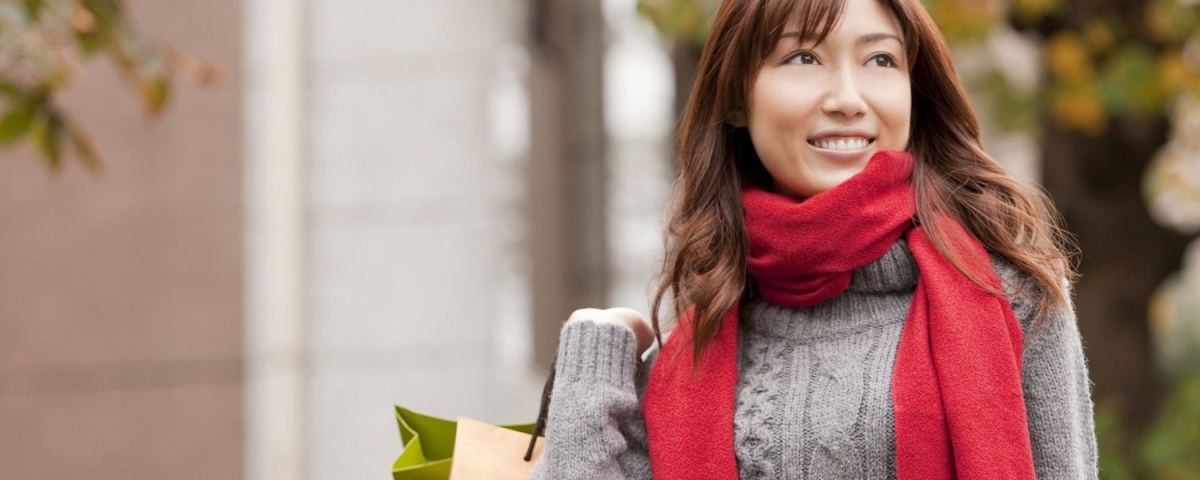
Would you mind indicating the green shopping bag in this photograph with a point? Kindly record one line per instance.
(427, 445)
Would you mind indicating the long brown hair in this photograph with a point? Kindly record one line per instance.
(705, 243)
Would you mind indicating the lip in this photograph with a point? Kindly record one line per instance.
(843, 155)
(843, 132)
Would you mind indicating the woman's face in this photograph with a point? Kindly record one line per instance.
(817, 113)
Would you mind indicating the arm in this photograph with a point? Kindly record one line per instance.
(1054, 377)
(595, 427)
(1058, 400)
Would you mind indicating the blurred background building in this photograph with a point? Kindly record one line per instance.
(398, 202)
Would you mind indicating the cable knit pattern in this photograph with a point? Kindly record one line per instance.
(758, 403)
(813, 397)
(837, 420)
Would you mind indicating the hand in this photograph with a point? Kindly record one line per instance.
(620, 316)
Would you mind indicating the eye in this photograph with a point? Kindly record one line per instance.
(882, 60)
(803, 58)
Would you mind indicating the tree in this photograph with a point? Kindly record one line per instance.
(43, 43)
(1112, 69)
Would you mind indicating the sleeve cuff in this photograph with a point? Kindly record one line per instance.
(591, 352)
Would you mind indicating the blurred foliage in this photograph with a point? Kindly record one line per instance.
(42, 46)
(1099, 63)
(962, 21)
(1170, 448)
(686, 21)
(1171, 185)
(1097, 68)
(1167, 451)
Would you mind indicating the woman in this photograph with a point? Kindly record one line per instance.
(861, 291)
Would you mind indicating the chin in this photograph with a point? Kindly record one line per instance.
(833, 183)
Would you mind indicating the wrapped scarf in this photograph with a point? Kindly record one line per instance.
(956, 387)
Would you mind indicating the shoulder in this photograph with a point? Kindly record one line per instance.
(1025, 296)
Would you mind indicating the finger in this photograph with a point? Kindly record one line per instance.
(637, 322)
(630, 315)
(594, 314)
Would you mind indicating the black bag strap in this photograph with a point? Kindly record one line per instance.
(540, 427)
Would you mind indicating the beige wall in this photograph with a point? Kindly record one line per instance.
(121, 294)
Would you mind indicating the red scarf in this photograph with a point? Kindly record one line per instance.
(956, 387)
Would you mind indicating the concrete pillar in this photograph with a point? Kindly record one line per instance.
(404, 220)
(568, 244)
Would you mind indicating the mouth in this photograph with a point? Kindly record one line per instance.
(842, 144)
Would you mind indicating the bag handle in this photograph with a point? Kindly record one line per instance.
(540, 427)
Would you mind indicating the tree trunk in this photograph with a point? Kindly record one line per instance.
(684, 59)
(568, 247)
(1096, 183)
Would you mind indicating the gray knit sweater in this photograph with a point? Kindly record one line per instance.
(813, 395)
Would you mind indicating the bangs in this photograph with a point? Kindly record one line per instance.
(808, 20)
(813, 20)
(816, 19)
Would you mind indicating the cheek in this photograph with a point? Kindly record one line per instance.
(778, 98)
(894, 107)
(778, 111)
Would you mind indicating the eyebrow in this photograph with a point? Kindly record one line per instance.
(863, 40)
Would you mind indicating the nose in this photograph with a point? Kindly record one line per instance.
(844, 97)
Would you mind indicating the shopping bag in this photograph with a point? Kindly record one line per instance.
(429, 443)
(488, 452)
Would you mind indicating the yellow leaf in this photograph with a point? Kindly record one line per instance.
(1034, 10)
(1169, 21)
(1099, 35)
(1174, 75)
(962, 20)
(1081, 109)
(1069, 59)
(155, 93)
(1171, 72)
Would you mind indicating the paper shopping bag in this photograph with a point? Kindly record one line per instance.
(428, 445)
(488, 452)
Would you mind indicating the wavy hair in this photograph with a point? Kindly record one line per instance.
(705, 242)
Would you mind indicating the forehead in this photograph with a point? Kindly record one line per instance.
(816, 20)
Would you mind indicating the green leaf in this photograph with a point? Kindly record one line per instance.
(108, 13)
(47, 136)
(11, 90)
(34, 8)
(682, 20)
(15, 123)
(1128, 83)
(83, 146)
(106, 25)
(69, 30)
(90, 42)
(1168, 449)
(1111, 438)
(156, 92)
(1009, 108)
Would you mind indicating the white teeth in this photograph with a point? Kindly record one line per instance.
(843, 144)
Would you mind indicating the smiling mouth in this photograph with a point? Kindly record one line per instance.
(845, 144)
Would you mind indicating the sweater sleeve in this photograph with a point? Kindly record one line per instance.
(1058, 393)
(594, 428)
